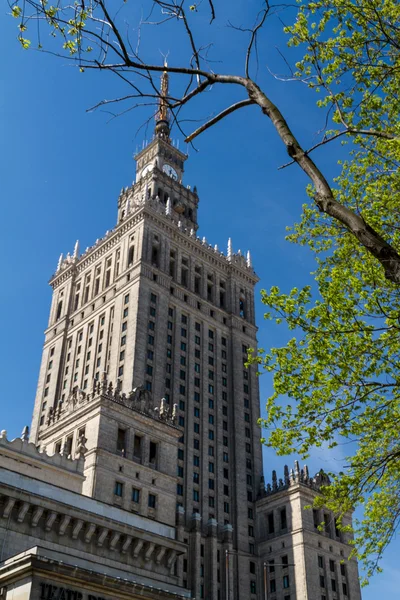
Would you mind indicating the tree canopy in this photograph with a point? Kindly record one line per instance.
(337, 376)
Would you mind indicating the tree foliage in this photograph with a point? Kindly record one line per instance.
(339, 371)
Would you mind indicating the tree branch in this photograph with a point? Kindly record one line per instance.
(218, 117)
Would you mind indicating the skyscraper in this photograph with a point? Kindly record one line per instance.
(154, 308)
(144, 382)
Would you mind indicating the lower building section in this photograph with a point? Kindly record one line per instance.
(59, 543)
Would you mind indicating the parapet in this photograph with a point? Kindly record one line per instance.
(293, 477)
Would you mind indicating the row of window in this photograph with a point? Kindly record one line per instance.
(334, 585)
(119, 489)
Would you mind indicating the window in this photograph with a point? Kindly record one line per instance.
(225, 457)
(183, 346)
(210, 434)
(196, 444)
(322, 581)
(321, 562)
(196, 477)
(253, 589)
(252, 568)
(151, 326)
(180, 471)
(181, 421)
(211, 466)
(272, 586)
(152, 501)
(181, 454)
(225, 440)
(137, 447)
(196, 460)
(286, 583)
(121, 440)
(247, 432)
(135, 495)
(344, 587)
(342, 569)
(197, 340)
(148, 386)
(196, 427)
(270, 523)
(211, 484)
(153, 451)
(249, 479)
(182, 390)
(283, 518)
(150, 340)
(210, 388)
(211, 501)
(226, 507)
(126, 299)
(183, 332)
(332, 565)
(179, 489)
(211, 419)
(251, 531)
(333, 585)
(284, 560)
(211, 451)
(196, 412)
(120, 371)
(182, 374)
(153, 298)
(196, 495)
(119, 489)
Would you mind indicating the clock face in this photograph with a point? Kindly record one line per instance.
(170, 171)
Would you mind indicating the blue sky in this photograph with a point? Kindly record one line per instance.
(62, 168)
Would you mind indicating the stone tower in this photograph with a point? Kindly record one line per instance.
(143, 360)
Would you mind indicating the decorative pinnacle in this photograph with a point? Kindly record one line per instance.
(248, 259)
(76, 249)
(59, 262)
(168, 209)
(25, 434)
(229, 253)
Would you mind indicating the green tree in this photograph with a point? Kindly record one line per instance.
(339, 371)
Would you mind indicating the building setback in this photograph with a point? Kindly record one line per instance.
(144, 391)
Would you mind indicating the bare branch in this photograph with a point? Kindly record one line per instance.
(218, 117)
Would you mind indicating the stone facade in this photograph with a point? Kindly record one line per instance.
(303, 553)
(146, 411)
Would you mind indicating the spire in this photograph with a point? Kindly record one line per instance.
(168, 209)
(162, 116)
